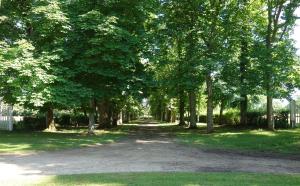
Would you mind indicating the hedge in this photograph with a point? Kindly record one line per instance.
(256, 119)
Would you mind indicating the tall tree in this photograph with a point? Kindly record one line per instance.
(281, 19)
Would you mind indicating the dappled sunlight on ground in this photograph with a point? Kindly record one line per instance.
(152, 141)
(27, 180)
(160, 179)
(150, 124)
(17, 142)
(263, 133)
(281, 141)
(143, 149)
(229, 134)
(9, 171)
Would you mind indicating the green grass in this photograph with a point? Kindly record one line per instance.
(11, 142)
(280, 141)
(166, 179)
(228, 138)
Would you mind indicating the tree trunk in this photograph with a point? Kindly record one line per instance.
(126, 117)
(115, 118)
(173, 116)
(221, 112)
(110, 116)
(268, 79)
(188, 116)
(91, 117)
(75, 122)
(166, 111)
(96, 112)
(104, 115)
(129, 117)
(243, 109)
(181, 109)
(84, 113)
(209, 104)
(50, 125)
(292, 113)
(120, 119)
(168, 115)
(161, 116)
(244, 99)
(192, 100)
(270, 117)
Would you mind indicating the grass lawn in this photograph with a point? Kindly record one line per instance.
(280, 141)
(40, 141)
(165, 179)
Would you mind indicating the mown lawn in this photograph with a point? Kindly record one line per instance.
(227, 138)
(46, 141)
(166, 179)
(280, 141)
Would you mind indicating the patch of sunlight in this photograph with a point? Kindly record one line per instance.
(230, 134)
(159, 124)
(24, 180)
(201, 124)
(183, 133)
(50, 146)
(297, 143)
(9, 171)
(166, 124)
(262, 132)
(101, 132)
(9, 147)
(130, 124)
(64, 142)
(56, 180)
(297, 130)
(72, 131)
(199, 142)
(151, 141)
(103, 184)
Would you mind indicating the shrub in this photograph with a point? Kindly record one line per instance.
(31, 123)
(225, 120)
(63, 120)
(202, 119)
(67, 120)
(79, 120)
(281, 119)
(255, 119)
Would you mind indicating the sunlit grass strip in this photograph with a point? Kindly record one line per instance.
(281, 141)
(163, 179)
(17, 142)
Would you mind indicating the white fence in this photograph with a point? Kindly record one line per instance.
(6, 116)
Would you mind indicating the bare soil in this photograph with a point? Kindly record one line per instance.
(147, 149)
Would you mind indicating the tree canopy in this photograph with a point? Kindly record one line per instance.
(106, 56)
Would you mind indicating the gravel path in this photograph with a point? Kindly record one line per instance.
(146, 149)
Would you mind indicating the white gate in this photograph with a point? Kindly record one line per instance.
(6, 116)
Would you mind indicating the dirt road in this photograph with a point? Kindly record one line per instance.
(147, 149)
